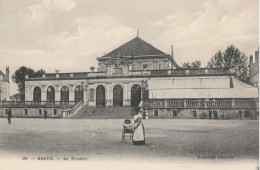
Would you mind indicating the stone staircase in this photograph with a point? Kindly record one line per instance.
(105, 113)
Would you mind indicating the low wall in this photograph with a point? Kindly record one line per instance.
(32, 112)
(164, 113)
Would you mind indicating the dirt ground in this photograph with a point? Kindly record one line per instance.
(166, 140)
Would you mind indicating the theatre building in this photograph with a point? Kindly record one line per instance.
(135, 72)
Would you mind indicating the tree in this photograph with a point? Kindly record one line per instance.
(41, 71)
(232, 58)
(19, 78)
(193, 65)
(92, 68)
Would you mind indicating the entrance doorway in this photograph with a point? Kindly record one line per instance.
(118, 96)
(64, 95)
(100, 96)
(78, 94)
(135, 95)
(50, 95)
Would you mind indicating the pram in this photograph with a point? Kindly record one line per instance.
(127, 130)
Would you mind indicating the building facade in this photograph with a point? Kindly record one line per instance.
(254, 69)
(135, 73)
(4, 85)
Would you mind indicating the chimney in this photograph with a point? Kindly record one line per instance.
(251, 60)
(172, 50)
(7, 73)
(257, 57)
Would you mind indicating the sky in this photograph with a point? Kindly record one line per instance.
(68, 35)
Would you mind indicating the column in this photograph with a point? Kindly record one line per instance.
(57, 93)
(233, 103)
(85, 97)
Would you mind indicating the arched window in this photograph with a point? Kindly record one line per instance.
(50, 95)
(135, 95)
(78, 94)
(37, 94)
(100, 96)
(64, 95)
(118, 95)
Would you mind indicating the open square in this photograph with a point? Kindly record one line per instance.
(98, 139)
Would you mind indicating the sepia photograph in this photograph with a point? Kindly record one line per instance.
(133, 84)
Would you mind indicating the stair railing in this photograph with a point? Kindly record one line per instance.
(73, 111)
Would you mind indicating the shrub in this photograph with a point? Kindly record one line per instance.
(203, 115)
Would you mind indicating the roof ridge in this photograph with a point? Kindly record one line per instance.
(137, 45)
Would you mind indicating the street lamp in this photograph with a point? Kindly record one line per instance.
(1, 91)
(82, 90)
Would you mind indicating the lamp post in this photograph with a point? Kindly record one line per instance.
(82, 90)
(1, 91)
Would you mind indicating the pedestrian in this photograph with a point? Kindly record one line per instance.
(45, 114)
(139, 133)
(210, 114)
(240, 114)
(9, 116)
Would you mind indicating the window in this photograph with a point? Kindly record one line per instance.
(64, 95)
(174, 113)
(37, 94)
(55, 111)
(145, 66)
(40, 111)
(247, 114)
(194, 113)
(155, 113)
(91, 95)
(215, 114)
(25, 111)
(118, 71)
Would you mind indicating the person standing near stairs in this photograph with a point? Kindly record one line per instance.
(45, 113)
(9, 116)
(139, 133)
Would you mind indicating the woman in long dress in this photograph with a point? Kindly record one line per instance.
(139, 133)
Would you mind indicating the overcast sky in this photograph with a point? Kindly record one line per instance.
(68, 35)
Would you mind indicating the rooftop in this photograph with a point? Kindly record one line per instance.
(133, 73)
(134, 47)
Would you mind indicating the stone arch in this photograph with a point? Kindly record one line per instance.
(100, 96)
(50, 94)
(64, 95)
(37, 94)
(136, 92)
(78, 93)
(118, 91)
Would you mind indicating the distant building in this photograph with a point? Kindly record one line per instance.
(254, 69)
(4, 85)
(135, 73)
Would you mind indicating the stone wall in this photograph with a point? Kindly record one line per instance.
(32, 112)
(202, 114)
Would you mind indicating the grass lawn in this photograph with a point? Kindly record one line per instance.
(96, 139)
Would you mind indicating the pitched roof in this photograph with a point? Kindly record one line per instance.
(1, 73)
(136, 47)
(200, 87)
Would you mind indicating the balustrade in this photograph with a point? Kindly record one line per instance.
(190, 103)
